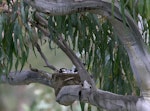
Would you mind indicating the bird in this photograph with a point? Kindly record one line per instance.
(65, 70)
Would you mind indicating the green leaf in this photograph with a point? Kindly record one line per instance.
(1, 26)
(147, 9)
(23, 59)
(82, 106)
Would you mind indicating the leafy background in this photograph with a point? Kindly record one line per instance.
(89, 35)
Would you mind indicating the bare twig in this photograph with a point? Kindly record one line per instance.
(45, 59)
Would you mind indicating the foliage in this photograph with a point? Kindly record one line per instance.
(88, 34)
(14, 33)
(99, 48)
(140, 11)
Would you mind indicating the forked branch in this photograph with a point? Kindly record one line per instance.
(45, 59)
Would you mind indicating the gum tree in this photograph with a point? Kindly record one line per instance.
(112, 38)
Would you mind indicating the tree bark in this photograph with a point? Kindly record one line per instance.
(68, 89)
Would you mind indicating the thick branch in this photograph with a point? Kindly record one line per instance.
(55, 80)
(26, 77)
(68, 89)
(68, 94)
(99, 98)
(62, 7)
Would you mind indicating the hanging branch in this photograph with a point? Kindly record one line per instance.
(45, 59)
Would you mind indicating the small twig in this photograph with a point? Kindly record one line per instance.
(45, 59)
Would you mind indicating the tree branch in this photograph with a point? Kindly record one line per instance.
(99, 98)
(26, 77)
(55, 80)
(45, 59)
(68, 89)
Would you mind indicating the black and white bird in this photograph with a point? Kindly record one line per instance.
(64, 70)
(73, 70)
